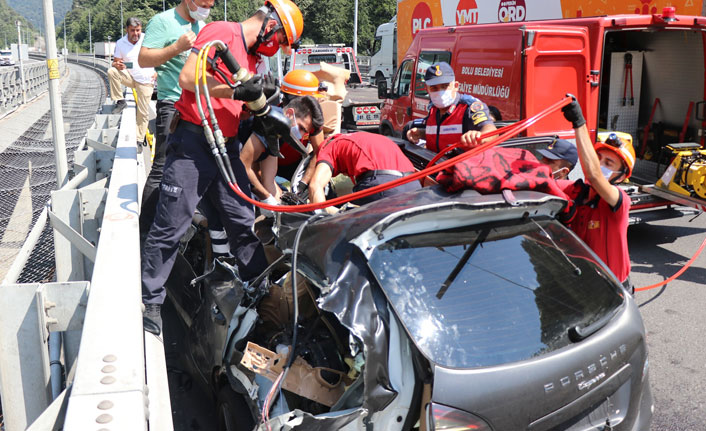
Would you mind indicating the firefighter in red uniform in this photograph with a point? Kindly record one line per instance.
(304, 114)
(366, 158)
(299, 83)
(453, 117)
(190, 171)
(602, 208)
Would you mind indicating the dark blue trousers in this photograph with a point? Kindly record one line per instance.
(375, 180)
(190, 174)
(150, 193)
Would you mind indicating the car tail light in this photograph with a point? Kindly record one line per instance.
(442, 418)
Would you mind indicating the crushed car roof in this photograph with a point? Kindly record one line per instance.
(329, 241)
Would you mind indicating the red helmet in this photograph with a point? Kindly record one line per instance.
(291, 18)
(300, 82)
(620, 144)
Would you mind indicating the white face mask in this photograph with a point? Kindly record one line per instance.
(296, 133)
(557, 174)
(442, 99)
(200, 14)
(607, 173)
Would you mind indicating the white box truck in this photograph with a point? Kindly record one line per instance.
(104, 49)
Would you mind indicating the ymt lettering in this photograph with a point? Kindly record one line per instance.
(466, 16)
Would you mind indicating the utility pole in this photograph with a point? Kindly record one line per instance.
(355, 30)
(19, 58)
(225, 10)
(66, 52)
(57, 117)
(90, 37)
(163, 6)
(121, 20)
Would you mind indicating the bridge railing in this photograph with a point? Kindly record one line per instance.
(36, 82)
(94, 306)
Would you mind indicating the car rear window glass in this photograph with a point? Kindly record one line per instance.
(490, 295)
(322, 58)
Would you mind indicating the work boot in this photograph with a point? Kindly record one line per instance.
(152, 318)
(119, 106)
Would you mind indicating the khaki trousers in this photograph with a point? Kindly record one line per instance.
(117, 79)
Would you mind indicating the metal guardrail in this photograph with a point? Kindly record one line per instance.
(36, 83)
(109, 360)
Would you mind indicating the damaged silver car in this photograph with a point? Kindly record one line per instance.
(423, 311)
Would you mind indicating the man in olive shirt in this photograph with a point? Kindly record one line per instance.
(169, 37)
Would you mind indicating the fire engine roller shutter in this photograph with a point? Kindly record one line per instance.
(556, 62)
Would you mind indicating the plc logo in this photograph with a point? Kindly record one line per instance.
(512, 10)
(467, 12)
(421, 18)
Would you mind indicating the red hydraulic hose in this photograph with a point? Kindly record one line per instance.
(678, 273)
(450, 148)
(506, 133)
(442, 153)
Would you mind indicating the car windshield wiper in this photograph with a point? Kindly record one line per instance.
(461, 263)
(578, 333)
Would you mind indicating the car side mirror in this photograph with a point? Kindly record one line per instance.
(382, 90)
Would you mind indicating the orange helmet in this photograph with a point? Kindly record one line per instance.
(621, 145)
(300, 82)
(290, 17)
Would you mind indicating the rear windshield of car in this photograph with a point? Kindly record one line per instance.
(322, 58)
(4, 53)
(490, 295)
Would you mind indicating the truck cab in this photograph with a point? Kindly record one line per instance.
(504, 65)
(383, 62)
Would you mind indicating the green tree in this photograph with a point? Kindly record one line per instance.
(325, 21)
(8, 28)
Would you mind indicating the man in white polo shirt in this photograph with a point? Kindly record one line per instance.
(125, 71)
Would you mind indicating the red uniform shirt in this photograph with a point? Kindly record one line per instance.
(228, 112)
(354, 153)
(290, 154)
(603, 228)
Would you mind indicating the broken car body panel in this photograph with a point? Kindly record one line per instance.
(343, 258)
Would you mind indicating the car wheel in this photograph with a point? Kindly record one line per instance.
(233, 412)
(378, 78)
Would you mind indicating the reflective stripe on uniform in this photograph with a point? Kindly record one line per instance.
(445, 129)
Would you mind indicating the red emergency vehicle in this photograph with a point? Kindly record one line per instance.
(640, 74)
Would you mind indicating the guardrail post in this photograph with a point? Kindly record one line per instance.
(24, 357)
(28, 312)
